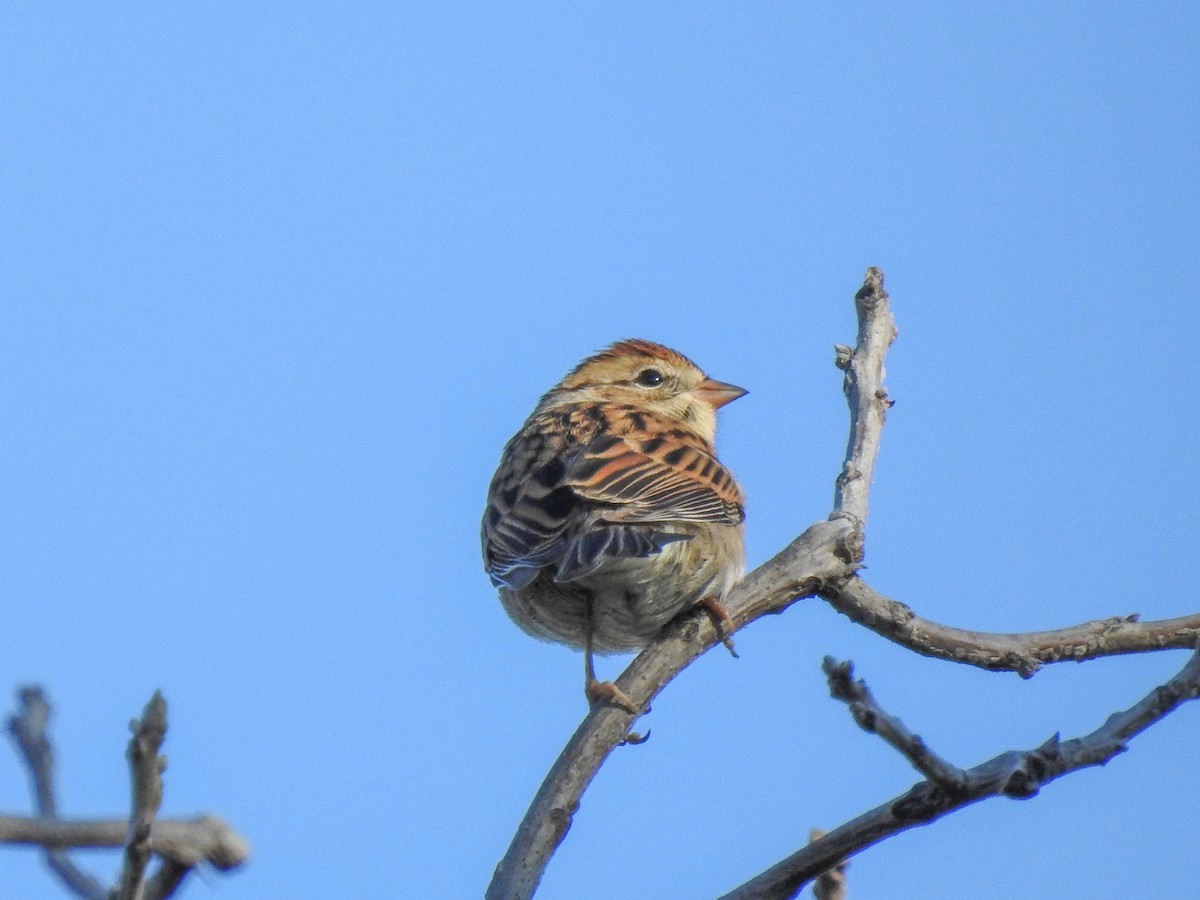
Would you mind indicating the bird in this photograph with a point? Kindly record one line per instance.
(610, 514)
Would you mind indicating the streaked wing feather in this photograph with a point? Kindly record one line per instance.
(587, 550)
(657, 481)
(557, 504)
(525, 523)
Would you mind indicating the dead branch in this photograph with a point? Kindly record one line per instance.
(823, 561)
(871, 717)
(830, 884)
(1019, 774)
(1023, 653)
(189, 842)
(145, 768)
(180, 844)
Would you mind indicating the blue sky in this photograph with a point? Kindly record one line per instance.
(280, 280)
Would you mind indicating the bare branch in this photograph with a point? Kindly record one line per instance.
(865, 395)
(823, 554)
(74, 878)
(830, 884)
(821, 562)
(1017, 774)
(145, 768)
(1022, 653)
(188, 842)
(167, 880)
(181, 844)
(28, 726)
(871, 717)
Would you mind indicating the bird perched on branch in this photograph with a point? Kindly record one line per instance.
(610, 513)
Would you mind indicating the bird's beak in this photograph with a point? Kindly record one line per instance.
(718, 393)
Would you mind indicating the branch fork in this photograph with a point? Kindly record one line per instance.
(180, 844)
(824, 561)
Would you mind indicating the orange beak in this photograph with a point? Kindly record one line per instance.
(718, 393)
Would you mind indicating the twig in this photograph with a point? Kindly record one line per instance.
(1017, 774)
(28, 727)
(188, 842)
(167, 880)
(825, 553)
(145, 768)
(1022, 653)
(865, 395)
(181, 844)
(872, 717)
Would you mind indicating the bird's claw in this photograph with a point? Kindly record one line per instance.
(600, 693)
(722, 622)
(633, 738)
(605, 692)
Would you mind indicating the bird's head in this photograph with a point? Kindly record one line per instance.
(648, 376)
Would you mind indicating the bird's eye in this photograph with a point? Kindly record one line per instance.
(649, 378)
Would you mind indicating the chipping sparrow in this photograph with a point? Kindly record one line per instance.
(609, 513)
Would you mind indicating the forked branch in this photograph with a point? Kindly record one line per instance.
(823, 561)
(1017, 773)
(180, 844)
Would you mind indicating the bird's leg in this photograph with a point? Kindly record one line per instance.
(600, 691)
(722, 622)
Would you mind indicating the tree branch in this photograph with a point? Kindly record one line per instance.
(1016, 774)
(830, 884)
(28, 727)
(145, 768)
(871, 717)
(865, 395)
(167, 880)
(181, 844)
(823, 561)
(1023, 653)
(189, 842)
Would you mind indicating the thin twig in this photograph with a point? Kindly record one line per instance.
(145, 769)
(865, 395)
(28, 727)
(1024, 653)
(181, 844)
(873, 718)
(1017, 774)
(167, 880)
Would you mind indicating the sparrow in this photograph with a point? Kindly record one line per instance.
(609, 513)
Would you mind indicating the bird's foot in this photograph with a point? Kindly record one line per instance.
(605, 692)
(722, 622)
(602, 692)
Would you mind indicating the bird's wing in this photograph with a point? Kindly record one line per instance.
(529, 509)
(673, 478)
(552, 503)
